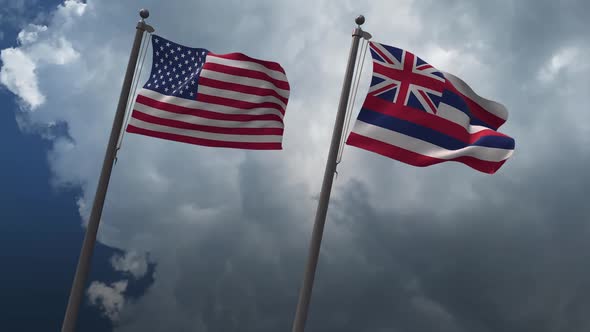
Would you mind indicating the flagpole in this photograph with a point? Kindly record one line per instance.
(83, 268)
(322, 210)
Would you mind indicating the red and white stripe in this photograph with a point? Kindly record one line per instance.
(489, 111)
(240, 103)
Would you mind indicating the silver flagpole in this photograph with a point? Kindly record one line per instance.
(320, 217)
(83, 268)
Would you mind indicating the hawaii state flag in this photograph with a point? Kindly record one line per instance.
(419, 115)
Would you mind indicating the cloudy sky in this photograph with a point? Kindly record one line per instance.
(202, 239)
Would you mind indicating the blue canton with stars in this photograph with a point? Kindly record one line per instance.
(175, 68)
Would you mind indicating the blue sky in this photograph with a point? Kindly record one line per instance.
(40, 233)
(201, 239)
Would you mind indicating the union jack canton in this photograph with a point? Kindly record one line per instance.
(401, 77)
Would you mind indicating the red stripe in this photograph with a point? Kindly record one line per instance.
(204, 113)
(427, 100)
(478, 111)
(376, 49)
(245, 73)
(407, 76)
(425, 119)
(486, 132)
(241, 88)
(415, 159)
(237, 103)
(243, 57)
(204, 142)
(387, 87)
(209, 129)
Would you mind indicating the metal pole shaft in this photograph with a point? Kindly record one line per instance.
(83, 268)
(322, 210)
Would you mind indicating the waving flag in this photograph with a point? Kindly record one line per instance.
(421, 116)
(219, 100)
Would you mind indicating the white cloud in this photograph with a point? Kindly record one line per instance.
(30, 34)
(434, 311)
(39, 48)
(228, 228)
(109, 299)
(72, 8)
(182, 203)
(131, 262)
(18, 75)
(559, 61)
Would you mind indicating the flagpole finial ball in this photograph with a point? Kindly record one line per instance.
(360, 20)
(144, 13)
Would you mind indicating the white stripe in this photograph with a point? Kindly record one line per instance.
(416, 91)
(396, 64)
(277, 75)
(230, 94)
(429, 72)
(383, 77)
(428, 149)
(243, 81)
(491, 106)
(206, 135)
(477, 129)
(205, 121)
(386, 81)
(452, 114)
(193, 104)
(386, 64)
(419, 87)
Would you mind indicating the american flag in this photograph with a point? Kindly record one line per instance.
(421, 116)
(219, 100)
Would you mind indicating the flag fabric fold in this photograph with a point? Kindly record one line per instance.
(421, 116)
(218, 100)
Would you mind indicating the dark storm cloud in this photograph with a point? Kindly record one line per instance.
(520, 28)
(509, 263)
(405, 249)
(515, 38)
(503, 263)
(243, 275)
(511, 258)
